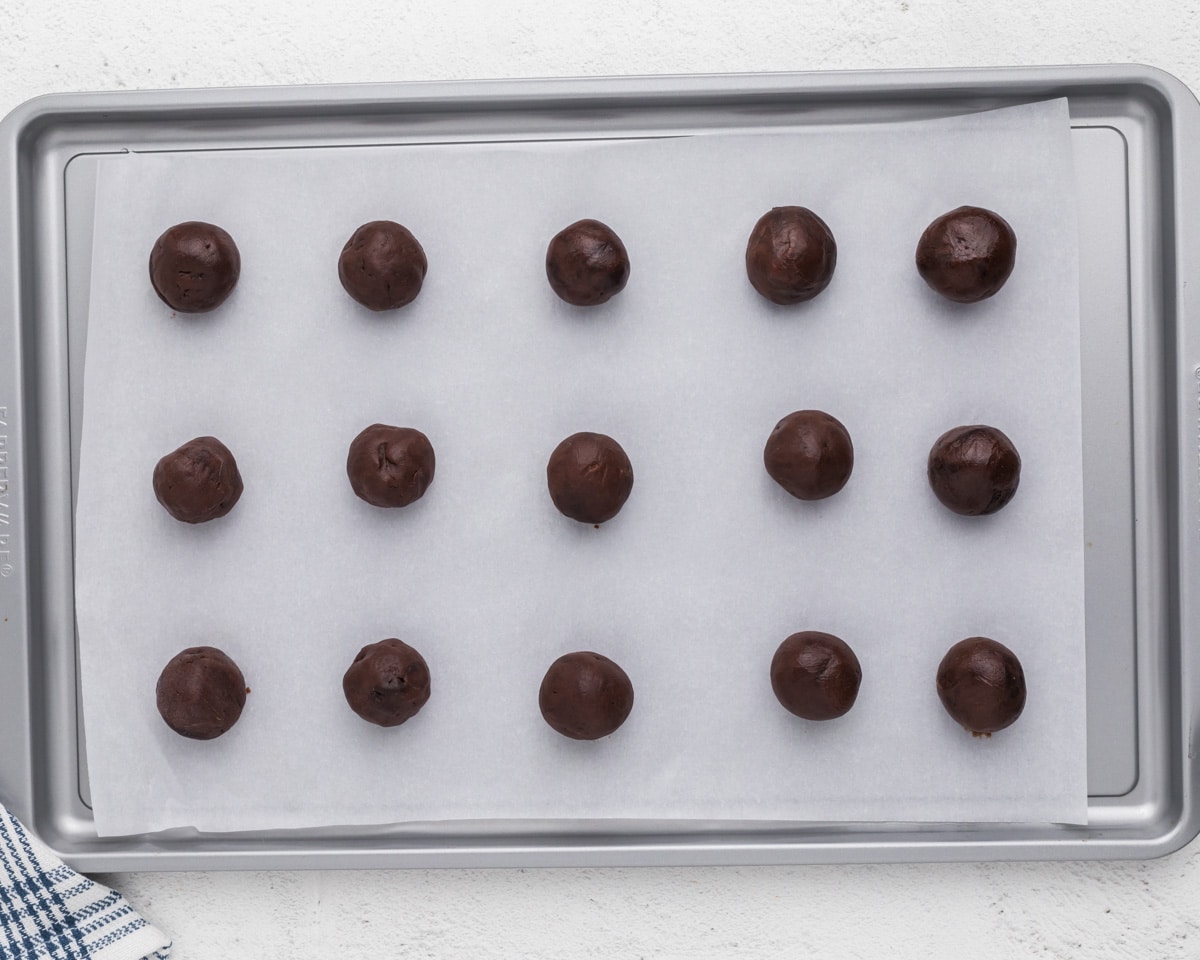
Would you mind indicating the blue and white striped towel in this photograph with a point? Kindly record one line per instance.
(50, 912)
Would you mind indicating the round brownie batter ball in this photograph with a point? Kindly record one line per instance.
(815, 675)
(589, 477)
(194, 266)
(974, 470)
(791, 255)
(809, 454)
(586, 263)
(966, 255)
(382, 265)
(390, 466)
(201, 693)
(199, 481)
(981, 684)
(585, 696)
(387, 683)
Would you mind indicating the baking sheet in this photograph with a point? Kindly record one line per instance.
(709, 565)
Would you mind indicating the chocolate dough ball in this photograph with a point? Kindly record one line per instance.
(589, 477)
(390, 466)
(981, 684)
(809, 454)
(585, 696)
(586, 263)
(387, 683)
(974, 470)
(382, 265)
(194, 266)
(201, 693)
(791, 255)
(967, 254)
(199, 481)
(815, 675)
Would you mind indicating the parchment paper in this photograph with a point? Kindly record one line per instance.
(708, 567)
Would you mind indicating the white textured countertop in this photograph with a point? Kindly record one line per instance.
(986, 912)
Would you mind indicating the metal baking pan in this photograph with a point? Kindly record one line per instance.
(1136, 132)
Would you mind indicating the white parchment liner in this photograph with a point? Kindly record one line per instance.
(709, 566)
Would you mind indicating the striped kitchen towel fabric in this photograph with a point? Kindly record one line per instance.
(49, 911)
